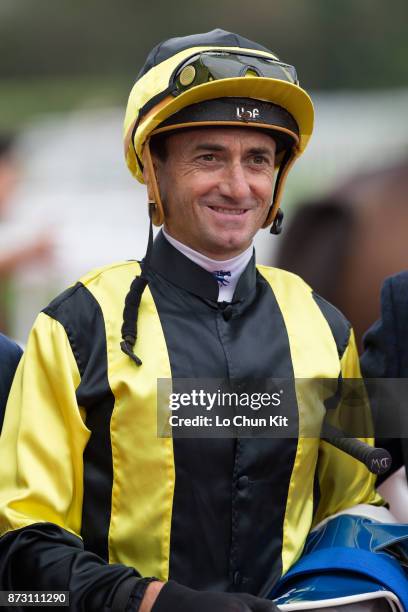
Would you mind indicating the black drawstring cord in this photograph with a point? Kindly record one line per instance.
(132, 301)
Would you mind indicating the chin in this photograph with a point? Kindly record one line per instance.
(226, 249)
(233, 241)
(222, 242)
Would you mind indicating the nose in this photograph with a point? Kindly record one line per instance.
(235, 182)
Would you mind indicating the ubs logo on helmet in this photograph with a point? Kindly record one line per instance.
(247, 114)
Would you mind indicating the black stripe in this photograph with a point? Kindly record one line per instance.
(230, 495)
(316, 491)
(338, 323)
(81, 316)
(10, 354)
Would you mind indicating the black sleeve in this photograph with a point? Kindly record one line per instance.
(44, 555)
(386, 352)
(54, 559)
(380, 357)
(339, 325)
(10, 354)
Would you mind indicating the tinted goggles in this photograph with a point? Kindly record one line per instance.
(212, 66)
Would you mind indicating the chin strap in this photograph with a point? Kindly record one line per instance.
(153, 187)
(132, 301)
(275, 215)
(276, 227)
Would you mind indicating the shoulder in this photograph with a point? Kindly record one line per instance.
(296, 290)
(284, 281)
(394, 293)
(10, 352)
(88, 307)
(340, 326)
(386, 342)
(92, 289)
(91, 311)
(394, 307)
(398, 280)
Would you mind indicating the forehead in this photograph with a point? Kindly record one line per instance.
(225, 137)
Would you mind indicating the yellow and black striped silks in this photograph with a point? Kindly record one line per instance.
(89, 490)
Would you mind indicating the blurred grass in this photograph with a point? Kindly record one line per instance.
(21, 100)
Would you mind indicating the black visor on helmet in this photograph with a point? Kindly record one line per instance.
(240, 111)
(214, 65)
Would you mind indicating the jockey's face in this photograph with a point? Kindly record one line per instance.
(216, 186)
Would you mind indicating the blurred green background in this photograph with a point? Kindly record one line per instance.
(60, 54)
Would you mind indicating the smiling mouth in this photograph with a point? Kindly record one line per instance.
(229, 211)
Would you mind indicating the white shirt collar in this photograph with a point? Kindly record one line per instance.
(228, 270)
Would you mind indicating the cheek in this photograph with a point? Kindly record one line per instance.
(204, 184)
(264, 189)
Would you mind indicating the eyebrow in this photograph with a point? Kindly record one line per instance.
(217, 147)
(209, 147)
(261, 151)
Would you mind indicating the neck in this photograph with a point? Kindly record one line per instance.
(210, 263)
(228, 270)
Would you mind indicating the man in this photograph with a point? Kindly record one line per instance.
(386, 353)
(93, 501)
(10, 354)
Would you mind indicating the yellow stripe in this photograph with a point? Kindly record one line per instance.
(43, 427)
(344, 482)
(314, 355)
(341, 476)
(143, 464)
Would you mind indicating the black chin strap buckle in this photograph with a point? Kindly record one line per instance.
(276, 227)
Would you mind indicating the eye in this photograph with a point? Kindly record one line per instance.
(260, 159)
(208, 157)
